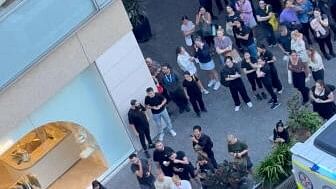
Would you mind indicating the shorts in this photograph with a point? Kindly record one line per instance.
(207, 66)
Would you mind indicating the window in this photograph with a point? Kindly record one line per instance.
(33, 28)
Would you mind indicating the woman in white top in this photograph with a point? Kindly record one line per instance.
(298, 45)
(315, 63)
(186, 63)
(180, 184)
(163, 182)
(187, 28)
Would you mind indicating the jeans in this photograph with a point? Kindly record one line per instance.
(252, 49)
(158, 121)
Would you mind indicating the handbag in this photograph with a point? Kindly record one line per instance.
(273, 21)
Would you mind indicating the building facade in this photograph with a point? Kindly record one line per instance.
(68, 71)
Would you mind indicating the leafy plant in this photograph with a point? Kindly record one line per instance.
(135, 11)
(276, 167)
(228, 175)
(300, 117)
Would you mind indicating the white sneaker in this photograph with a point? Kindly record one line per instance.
(161, 137)
(172, 132)
(204, 91)
(211, 82)
(236, 109)
(249, 104)
(216, 86)
(280, 92)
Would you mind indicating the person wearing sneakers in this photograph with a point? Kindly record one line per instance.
(232, 77)
(157, 104)
(264, 73)
(248, 66)
(186, 63)
(270, 59)
(202, 53)
(223, 44)
(193, 93)
(138, 121)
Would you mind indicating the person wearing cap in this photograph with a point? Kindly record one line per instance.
(138, 121)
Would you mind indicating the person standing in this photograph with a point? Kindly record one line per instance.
(181, 165)
(204, 21)
(264, 73)
(187, 28)
(230, 26)
(223, 45)
(315, 64)
(193, 93)
(138, 121)
(186, 63)
(249, 68)
(239, 151)
(270, 59)
(323, 100)
(245, 36)
(298, 45)
(142, 169)
(180, 184)
(300, 72)
(264, 13)
(305, 9)
(207, 5)
(172, 83)
(160, 156)
(231, 77)
(157, 104)
(245, 9)
(205, 142)
(288, 16)
(163, 182)
(202, 53)
(321, 31)
(284, 41)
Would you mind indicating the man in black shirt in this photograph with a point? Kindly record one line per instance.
(264, 14)
(270, 59)
(264, 72)
(231, 74)
(205, 142)
(157, 104)
(181, 166)
(142, 169)
(160, 156)
(245, 36)
(138, 121)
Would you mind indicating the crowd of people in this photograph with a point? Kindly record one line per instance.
(293, 26)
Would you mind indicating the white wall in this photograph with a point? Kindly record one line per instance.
(126, 75)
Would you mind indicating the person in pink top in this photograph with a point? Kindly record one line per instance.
(245, 9)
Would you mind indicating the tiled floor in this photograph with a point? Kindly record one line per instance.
(80, 175)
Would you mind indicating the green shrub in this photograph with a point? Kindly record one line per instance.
(276, 167)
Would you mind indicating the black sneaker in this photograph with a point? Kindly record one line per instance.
(204, 110)
(151, 145)
(264, 95)
(147, 154)
(275, 105)
(187, 109)
(327, 57)
(270, 101)
(181, 110)
(258, 97)
(198, 114)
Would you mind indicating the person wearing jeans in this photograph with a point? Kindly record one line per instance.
(157, 104)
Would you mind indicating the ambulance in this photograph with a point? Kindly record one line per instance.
(314, 161)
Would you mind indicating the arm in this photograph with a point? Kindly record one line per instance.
(247, 71)
(197, 18)
(185, 92)
(272, 60)
(139, 172)
(324, 22)
(134, 130)
(282, 49)
(245, 37)
(330, 98)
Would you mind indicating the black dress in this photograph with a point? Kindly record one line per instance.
(325, 110)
